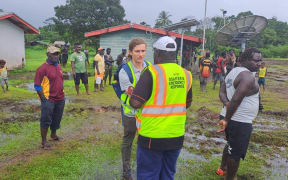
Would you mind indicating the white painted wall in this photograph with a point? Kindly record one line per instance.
(12, 44)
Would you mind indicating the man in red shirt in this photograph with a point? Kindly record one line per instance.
(220, 70)
(49, 86)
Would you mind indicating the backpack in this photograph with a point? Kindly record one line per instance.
(116, 84)
(206, 72)
(206, 68)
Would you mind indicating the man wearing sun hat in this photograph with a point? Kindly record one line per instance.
(162, 95)
(48, 83)
(99, 69)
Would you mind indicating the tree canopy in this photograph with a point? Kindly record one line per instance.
(163, 19)
(79, 16)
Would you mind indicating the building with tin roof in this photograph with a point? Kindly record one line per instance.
(12, 46)
(118, 37)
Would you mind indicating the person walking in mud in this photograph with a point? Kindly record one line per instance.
(240, 95)
(162, 94)
(130, 71)
(49, 86)
(220, 70)
(79, 68)
(205, 69)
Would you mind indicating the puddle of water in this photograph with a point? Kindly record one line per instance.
(265, 123)
(37, 101)
(278, 167)
(4, 138)
(219, 140)
(186, 155)
(30, 86)
(67, 76)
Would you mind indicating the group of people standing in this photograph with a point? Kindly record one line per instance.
(220, 66)
(154, 99)
(153, 103)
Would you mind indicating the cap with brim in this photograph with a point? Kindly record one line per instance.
(165, 43)
(100, 49)
(53, 49)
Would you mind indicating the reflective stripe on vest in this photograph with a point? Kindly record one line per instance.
(161, 86)
(124, 99)
(158, 107)
(189, 79)
(164, 111)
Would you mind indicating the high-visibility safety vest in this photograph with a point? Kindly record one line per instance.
(262, 72)
(124, 98)
(164, 114)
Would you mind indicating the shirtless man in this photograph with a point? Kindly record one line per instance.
(240, 95)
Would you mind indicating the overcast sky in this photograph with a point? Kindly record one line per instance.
(36, 11)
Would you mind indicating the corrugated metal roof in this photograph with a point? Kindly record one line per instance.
(13, 18)
(144, 28)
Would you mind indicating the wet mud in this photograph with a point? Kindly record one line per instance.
(101, 109)
(269, 129)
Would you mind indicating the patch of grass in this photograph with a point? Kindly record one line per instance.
(276, 138)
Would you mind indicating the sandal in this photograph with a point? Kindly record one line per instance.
(46, 146)
(57, 138)
(220, 172)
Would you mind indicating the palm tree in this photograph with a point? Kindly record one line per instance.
(163, 19)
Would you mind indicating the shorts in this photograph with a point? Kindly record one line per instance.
(4, 81)
(203, 80)
(219, 77)
(261, 81)
(51, 114)
(82, 76)
(238, 137)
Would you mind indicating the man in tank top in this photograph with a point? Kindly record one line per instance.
(240, 95)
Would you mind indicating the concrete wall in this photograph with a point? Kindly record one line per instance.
(120, 39)
(12, 45)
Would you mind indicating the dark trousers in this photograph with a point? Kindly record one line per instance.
(128, 137)
(108, 72)
(51, 114)
(156, 165)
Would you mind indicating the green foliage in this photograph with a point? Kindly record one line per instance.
(244, 14)
(280, 51)
(79, 16)
(163, 19)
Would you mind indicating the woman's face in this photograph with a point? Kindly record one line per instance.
(138, 53)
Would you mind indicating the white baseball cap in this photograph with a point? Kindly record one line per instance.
(162, 43)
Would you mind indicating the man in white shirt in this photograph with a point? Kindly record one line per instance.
(240, 95)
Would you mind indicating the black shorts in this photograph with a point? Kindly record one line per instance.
(82, 76)
(51, 114)
(238, 137)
